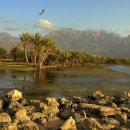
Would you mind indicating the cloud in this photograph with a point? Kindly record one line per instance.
(5, 20)
(12, 27)
(127, 31)
(45, 24)
(9, 25)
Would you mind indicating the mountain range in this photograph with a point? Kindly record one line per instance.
(99, 42)
(7, 41)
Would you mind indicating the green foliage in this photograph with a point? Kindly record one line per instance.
(3, 53)
(39, 50)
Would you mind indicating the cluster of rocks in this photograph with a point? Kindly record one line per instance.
(95, 112)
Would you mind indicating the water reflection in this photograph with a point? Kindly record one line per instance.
(53, 83)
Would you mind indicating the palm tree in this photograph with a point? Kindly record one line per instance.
(36, 40)
(68, 55)
(3, 53)
(25, 39)
(46, 47)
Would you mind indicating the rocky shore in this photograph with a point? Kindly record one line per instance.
(94, 112)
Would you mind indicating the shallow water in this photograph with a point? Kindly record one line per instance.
(71, 81)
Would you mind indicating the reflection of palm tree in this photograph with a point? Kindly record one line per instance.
(40, 77)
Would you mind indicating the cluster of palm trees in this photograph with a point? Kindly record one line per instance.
(38, 50)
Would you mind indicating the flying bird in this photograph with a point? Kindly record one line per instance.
(42, 12)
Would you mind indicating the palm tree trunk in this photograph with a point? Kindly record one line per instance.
(26, 57)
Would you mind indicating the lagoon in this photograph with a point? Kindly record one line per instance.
(78, 81)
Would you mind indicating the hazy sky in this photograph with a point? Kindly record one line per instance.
(17, 16)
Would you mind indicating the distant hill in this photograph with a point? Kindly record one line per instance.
(7, 41)
(95, 42)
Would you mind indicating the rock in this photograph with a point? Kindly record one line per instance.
(40, 106)
(97, 95)
(13, 107)
(52, 111)
(79, 99)
(92, 124)
(111, 121)
(14, 95)
(5, 118)
(9, 126)
(69, 125)
(78, 118)
(102, 101)
(52, 102)
(98, 112)
(126, 95)
(122, 118)
(101, 110)
(1, 103)
(108, 126)
(23, 102)
(30, 109)
(30, 126)
(36, 116)
(126, 110)
(107, 111)
(52, 118)
(42, 120)
(111, 104)
(66, 113)
(65, 103)
(21, 116)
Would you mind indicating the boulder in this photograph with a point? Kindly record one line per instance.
(97, 95)
(1, 103)
(65, 103)
(40, 106)
(21, 116)
(107, 111)
(66, 113)
(52, 102)
(30, 126)
(69, 125)
(111, 121)
(14, 95)
(52, 111)
(35, 116)
(30, 109)
(13, 107)
(5, 118)
(78, 118)
(100, 110)
(42, 121)
(92, 124)
(121, 117)
(9, 126)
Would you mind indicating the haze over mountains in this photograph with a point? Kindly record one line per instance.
(7, 41)
(94, 42)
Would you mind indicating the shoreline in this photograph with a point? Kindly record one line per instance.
(94, 112)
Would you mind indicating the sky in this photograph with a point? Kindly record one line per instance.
(17, 16)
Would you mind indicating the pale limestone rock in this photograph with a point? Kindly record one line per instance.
(52, 102)
(69, 125)
(98, 95)
(14, 95)
(21, 115)
(5, 118)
